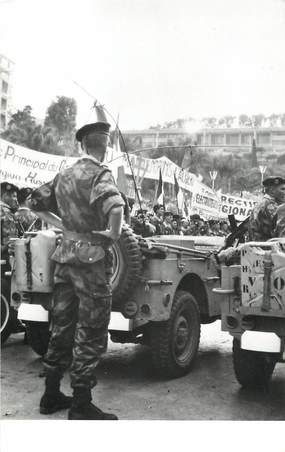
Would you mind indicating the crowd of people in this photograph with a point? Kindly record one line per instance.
(162, 222)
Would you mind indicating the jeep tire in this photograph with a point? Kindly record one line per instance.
(252, 369)
(174, 343)
(8, 314)
(38, 335)
(127, 263)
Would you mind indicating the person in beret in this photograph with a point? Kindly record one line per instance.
(262, 220)
(9, 228)
(157, 219)
(167, 228)
(84, 201)
(27, 220)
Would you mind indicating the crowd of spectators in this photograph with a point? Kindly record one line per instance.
(161, 222)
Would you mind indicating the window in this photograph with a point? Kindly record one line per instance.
(263, 138)
(2, 121)
(4, 87)
(3, 104)
(217, 139)
(232, 138)
(246, 138)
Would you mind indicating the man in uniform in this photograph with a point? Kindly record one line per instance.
(157, 219)
(26, 219)
(84, 201)
(9, 229)
(262, 220)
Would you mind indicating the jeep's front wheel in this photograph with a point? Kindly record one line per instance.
(174, 344)
(252, 369)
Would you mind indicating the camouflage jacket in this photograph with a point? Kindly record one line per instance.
(280, 221)
(262, 220)
(9, 228)
(82, 196)
(27, 219)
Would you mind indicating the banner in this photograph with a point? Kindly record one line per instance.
(240, 207)
(27, 168)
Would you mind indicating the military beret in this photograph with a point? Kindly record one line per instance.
(273, 181)
(99, 127)
(6, 187)
(168, 214)
(24, 193)
(176, 217)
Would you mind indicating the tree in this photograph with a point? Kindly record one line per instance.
(273, 119)
(257, 120)
(61, 118)
(244, 120)
(21, 127)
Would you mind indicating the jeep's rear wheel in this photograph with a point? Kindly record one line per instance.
(38, 335)
(8, 314)
(252, 369)
(174, 344)
(127, 264)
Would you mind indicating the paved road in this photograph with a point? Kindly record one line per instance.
(128, 387)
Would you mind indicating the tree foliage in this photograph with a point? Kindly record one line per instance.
(56, 136)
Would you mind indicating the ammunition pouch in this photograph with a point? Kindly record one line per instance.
(81, 248)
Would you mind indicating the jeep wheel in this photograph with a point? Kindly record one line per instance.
(127, 263)
(252, 369)
(8, 314)
(174, 344)
(38, 335)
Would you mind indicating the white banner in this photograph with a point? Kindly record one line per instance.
(27, 168)
(239, 207)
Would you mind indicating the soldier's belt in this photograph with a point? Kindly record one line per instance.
(87, 237)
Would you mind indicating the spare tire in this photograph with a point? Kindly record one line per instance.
(127, 264)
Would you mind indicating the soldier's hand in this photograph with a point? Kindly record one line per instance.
(108, 234)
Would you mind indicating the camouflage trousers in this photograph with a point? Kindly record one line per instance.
(80, 316)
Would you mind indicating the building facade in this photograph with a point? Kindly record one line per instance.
(152, 138)
(271, 139)
(6, 66)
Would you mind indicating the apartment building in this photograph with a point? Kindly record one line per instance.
(6, 66)
(271, 139)
(151, 138)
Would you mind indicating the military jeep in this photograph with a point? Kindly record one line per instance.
(252, 295)
(162, 293)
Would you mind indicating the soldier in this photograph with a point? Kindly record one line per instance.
(262, 220)
(9, 204)
(280, 221)
(167, 228)
(88, 202)
(157, 218)
(26, 219)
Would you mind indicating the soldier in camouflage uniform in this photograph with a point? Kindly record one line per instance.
(86, 199)
(263, 218)
(9, 229)
(280, 221)
(26, 219)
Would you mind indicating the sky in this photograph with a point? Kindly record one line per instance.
(149, 61)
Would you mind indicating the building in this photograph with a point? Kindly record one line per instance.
(227, 140)
(271, 139)
(152, 138)
(5, 90)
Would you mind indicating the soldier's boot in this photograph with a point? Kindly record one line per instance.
(53, 399)
(83, 409)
